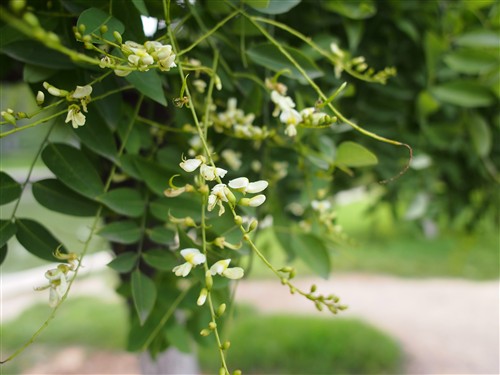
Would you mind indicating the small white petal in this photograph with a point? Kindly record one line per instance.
(257, 200)
(183, 270)
(219, 267)
(190, 165)
(257, 186)
(239, 183)
(212, 200)
(234, 273)
(82, 91)
(203, 297)
(193, 256)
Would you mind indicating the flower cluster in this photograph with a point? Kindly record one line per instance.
(81, 94)
(288, 115)
(194, 257)
(143, 57)
(59, 277)
(238, 123)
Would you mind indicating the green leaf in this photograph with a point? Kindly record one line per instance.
(35, 238)
(97, 136)
(468, 94)
(35, 74)
(73, 169)
(181, 206)
(34, 53)
(272, 6)
(161, 235)
(179, 336)
(10, 190)
(148, 83)
(125, 201)
(482, 38)
(125, 232)
(480, 134)
(354, 9)
(55, 196)
(153, 174)
(3, 253)
(143, 294)
(313, 252)
(7, 230)
(94, 18)
(124, 263)
(350, 154)
(141, 7)
(471, 61)
(268, 56)
(160, 259)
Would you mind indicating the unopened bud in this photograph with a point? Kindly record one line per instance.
(40, 98)
(226, 345)
(212, 325)
(82, 28)
(220, 311)
(31, 19)
(238, 220)
(203, 297)
(8, 117)
(103, 29)
(237, 372)
(222, 371)
(118, 37)
(209, 281)
(319, 306)
(205, 332)
(253, 225)
(17, 5)
(313, 288)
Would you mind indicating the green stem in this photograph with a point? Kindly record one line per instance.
(15, 130)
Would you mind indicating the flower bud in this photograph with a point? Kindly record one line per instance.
(40, 98)
(205, 332)
(103, 29)
(31, 19)
(203, 297)
(313, 288)
(209, 282)
(17, 5)
(212, 325)
(220, 311)
(222, 371)
(253, 225)
(8, 117)
(118, 37)
(226, 345)
(237, 372)
(238, 220)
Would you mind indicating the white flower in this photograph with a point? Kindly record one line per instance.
(290, 117)
(232, 158)
(122, 73)
(221, 268)
(283, 103)
(82, 91)
(210, 173)
(193, 257)
(203, 297)
(218, 195)
(200, 85)
(291, 130)
(321, 206)
(239, 183)
(58, 283)
(76, 117)
(190, 165)
(257, 186)
(257, 200)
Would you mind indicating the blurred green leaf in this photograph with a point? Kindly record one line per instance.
(161, 235)
(179, 336)
(141, 7)
(153, 174)
(125, 232)
(10, 190)
(313, 252)
(3, 253)
(272, 6)
(31, 52)
(125, 201)
(36, 239)
(471, 61)
(481, 38)
(178, 207)
(161, 259)
(268, 56)
(35, 74)
(124, 263)
(7, 230)
(94, 18)
(73, 169)
(354, 9)
(143, 294)
(55, 196)
(480, 134)
(468, 94)
(148, 83)
(351, 154)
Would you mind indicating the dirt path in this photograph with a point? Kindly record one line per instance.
(445, 326)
